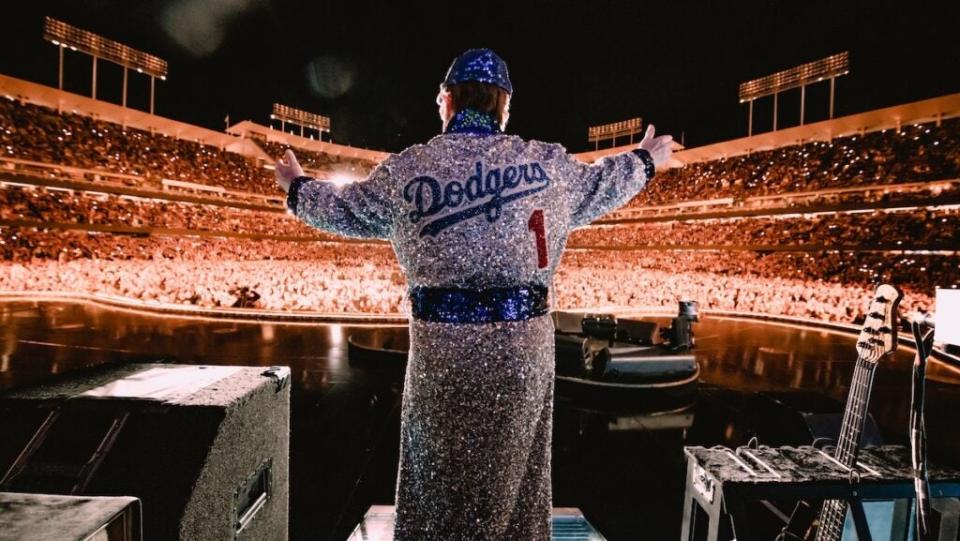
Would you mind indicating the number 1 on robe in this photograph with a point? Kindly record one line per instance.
(536, 225)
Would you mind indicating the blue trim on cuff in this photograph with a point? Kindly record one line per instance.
(292, 195)
(648, 165)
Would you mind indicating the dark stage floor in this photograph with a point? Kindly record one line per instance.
(623, 470)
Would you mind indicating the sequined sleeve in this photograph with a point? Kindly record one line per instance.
(364, 209)
(598, 188)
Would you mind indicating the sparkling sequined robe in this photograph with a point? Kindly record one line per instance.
(475, 210)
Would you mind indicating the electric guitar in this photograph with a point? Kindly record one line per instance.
(877, 341)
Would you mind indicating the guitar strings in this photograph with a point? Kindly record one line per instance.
(834, 511)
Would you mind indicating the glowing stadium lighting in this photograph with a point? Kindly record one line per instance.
(830, 67)
(64, 35)
(811, 72)
(301, 118)
(595, 134)
(59, 32)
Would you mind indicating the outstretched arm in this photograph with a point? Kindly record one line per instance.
(612, 181)
(361, 209)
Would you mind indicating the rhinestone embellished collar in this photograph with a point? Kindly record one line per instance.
(473, 121)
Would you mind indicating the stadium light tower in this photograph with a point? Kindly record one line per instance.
(64, 35)
(630, 127)
(830, 67)
(304, 119)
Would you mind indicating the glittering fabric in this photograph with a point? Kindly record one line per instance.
(472, 121)
(480, 65)
(475, 432)
(474, 212)
(458, 305)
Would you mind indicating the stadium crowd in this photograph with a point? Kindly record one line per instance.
(916, 228)
(319, 272)
(30, 244)
(76, 207)
(946, 192)
(915, 153)
(320, 161)
(345, 277)
(638, 281)
(37, 133)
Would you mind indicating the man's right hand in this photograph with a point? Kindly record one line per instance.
(287, 170)
(658, 147)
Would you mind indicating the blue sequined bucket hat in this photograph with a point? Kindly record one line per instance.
(480, 65)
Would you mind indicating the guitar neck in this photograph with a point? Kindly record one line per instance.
(834, 512)
(855, 413)
(877, 340)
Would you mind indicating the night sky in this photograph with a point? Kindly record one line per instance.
(374, 67)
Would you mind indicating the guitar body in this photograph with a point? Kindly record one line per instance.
(877, 340)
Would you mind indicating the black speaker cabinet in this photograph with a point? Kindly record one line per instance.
(205, 448)
(69, 518)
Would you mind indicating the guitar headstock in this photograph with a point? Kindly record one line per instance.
(878, 337)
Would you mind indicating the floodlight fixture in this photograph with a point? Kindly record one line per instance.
(804, 74)
(299, 117)
(62, 34)
(800, 76)
(612, 131)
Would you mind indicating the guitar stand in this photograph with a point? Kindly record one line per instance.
(722, 481)
(923, 337)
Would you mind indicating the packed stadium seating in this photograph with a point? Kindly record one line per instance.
(822, 285)
(37, 133)
(818, 264)
(916, 228)
(915, 153)
(337, 276)
(319, 161)
(63, 207)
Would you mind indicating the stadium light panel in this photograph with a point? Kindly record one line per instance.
(300, 117)
(811, 72)
(64, 35)
(615, 129)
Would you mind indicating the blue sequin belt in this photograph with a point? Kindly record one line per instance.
(459, 305)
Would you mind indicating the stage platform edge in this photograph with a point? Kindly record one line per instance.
(569, 524)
